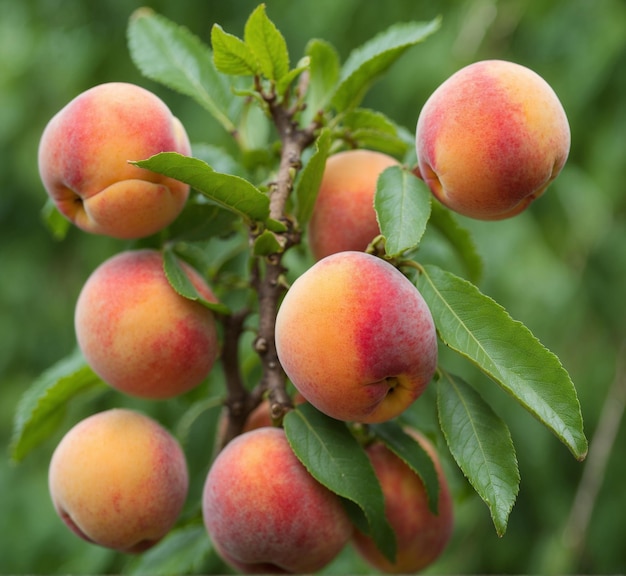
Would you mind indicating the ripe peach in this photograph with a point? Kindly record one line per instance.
(138, 334)
(491, 138)
(83, 161)
(421, 536)
(119, 479)
(343, 217)
(265, 513)
(356, 338)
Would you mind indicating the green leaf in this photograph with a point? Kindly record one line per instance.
(42, 407)
(232, 55)
(254, 136)
(218, 158)
(310, 179)
(367, 63)
(183, 551)
(411, 452)
(459, 238)
(481, 330)
(402, 204)
(286, 80)
(323, 76)
(373, 130)
(267, 44)
(182, 284)
(232, 192)
(57, 224)
(334, 458)
(480, 442)
(195, 412)
(276, 226)
(201, 219)
(266, 243)
(172, 55)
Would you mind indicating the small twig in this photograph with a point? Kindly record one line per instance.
(238, 401)
(600, 448)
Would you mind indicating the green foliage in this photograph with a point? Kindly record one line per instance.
(183, 285)
(311, 178)
(43, 406)
(333, 457)
(370, 129)
(410, 451)
(481, 444)
(402, 204)
(184, 550)
(324, 70)
(370, 61)
(460, 240)
(54, 221)
(170, 54)
(267, 45)
(480, 329)
(231, 192)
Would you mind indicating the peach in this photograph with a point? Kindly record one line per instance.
(491, 138)
(265, 513)
(83, 161)
(119, 479)
(421, 535)
(356, 338)
(138, 334)
(343, 217)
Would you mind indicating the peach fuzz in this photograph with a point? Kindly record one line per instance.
(119, 479)
(343, 217)
(83, 161)
(356, 338)
(138, 334)
(265, 513)
(421, 535)
(491, 138)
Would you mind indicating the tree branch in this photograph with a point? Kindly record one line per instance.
(268, 283)
(294, 140)
(239, 403)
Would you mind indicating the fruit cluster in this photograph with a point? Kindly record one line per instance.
(119, 478)
(353, 333)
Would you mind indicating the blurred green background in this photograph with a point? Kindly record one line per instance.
(560, 267)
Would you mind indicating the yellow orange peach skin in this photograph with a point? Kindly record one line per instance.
(138, 334)
(356, 338)
(491, 138)
(343, 217)
(119, 479)
(421, 535)
(83, 161)
(265, 513)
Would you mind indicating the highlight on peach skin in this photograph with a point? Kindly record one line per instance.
(118, 479)
(421, 535)
(138, 334)
(343, 217)
(491, 138)
(83, 161)
(265, 513)
(356, 338)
